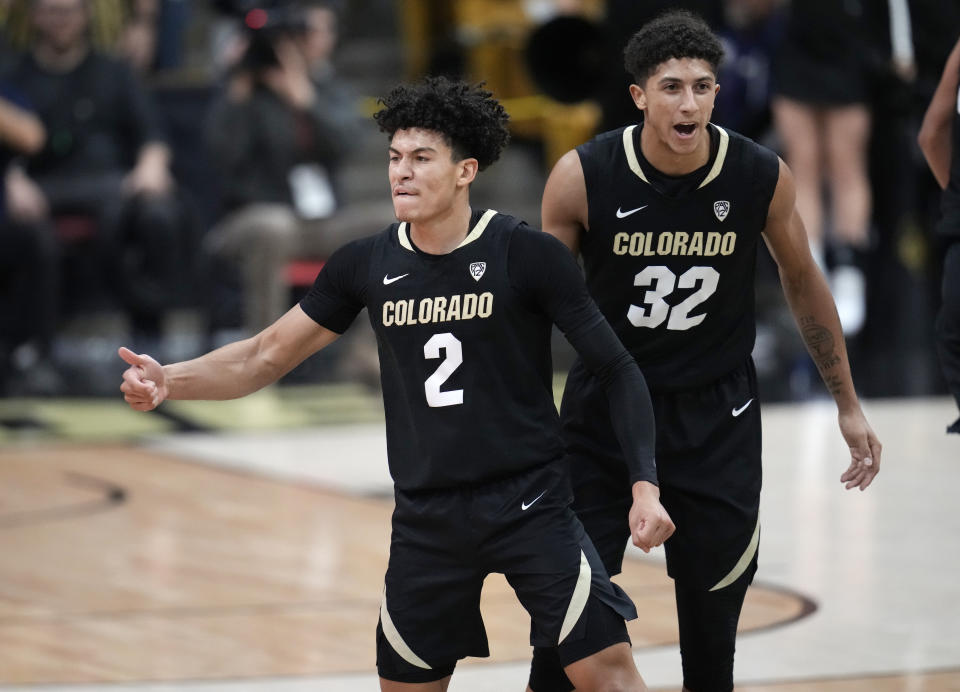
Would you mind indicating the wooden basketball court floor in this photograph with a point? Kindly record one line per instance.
(220, 547)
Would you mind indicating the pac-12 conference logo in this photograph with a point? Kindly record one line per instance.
(477, 269)
(721, 208)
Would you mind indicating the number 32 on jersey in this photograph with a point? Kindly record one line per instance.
(662, 282)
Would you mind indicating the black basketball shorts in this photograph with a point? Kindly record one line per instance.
(445, 542)
(708, 466)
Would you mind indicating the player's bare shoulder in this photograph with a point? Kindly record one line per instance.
(564, 208)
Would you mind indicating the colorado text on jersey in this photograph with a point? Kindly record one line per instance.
(674, 243)
(437, 309)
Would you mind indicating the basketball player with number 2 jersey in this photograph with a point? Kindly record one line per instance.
(463, 302)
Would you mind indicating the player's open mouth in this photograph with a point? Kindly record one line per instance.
(685, 129)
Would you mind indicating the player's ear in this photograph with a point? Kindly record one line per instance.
(468, 171)
(639, 96)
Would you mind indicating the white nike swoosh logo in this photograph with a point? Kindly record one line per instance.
(737, 411)
(387, 280)
(524, 506)
(625, 214)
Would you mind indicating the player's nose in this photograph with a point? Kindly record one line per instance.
(689, 102)
(401, 170)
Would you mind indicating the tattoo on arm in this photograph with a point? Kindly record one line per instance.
(822, 346)
(833, 383)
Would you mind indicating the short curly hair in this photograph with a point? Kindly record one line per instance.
(470, 119)
(674, 34)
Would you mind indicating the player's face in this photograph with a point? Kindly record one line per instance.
(677, 101)
(424, 177)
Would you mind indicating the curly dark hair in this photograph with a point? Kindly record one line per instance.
(470, 119)
(674, 34)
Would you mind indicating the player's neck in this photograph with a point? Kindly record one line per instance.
(669, 162)
(443, 233)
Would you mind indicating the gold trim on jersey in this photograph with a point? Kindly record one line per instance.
(479, 228)
(742, 563)
(474, 233)
(721, 156)
(402, 237)
(394, 638)
(634, 162)
(631, 153)
(578, 601)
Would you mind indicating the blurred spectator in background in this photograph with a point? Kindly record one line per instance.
(105, 22)
(149, 34)
(822, 82)
(28, 270)
(152, 38)
(750, 33)
(138, 40)
(939, 139)
(104, 161)
(319, 43)
(6, 52)
(278, 135)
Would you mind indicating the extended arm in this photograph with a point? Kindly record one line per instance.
(811, 303)
(935, 132)
(229, 372)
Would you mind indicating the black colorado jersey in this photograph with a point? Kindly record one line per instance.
(674, 275)
(465, 344)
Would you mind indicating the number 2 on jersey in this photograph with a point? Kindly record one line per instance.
(448, 343)
(662, 283)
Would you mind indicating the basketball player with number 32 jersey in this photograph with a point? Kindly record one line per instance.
(667, 215)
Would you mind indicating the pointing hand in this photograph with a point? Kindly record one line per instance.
(144, 383)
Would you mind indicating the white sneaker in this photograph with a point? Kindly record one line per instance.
(849, 292)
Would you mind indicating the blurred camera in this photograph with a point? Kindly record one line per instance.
(265, 22)
(288, 19)
(241, 8)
